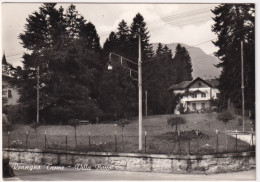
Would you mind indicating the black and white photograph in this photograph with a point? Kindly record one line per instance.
(111, 91)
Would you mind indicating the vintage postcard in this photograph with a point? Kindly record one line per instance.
(128, 91)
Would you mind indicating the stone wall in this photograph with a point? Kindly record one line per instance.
(203, 164)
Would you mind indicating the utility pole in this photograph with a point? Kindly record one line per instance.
(38, 93)
(140, 94)
(146, 103)
(242, 86)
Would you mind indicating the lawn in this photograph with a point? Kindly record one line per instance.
(159, 139)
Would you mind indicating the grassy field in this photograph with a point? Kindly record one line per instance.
(102, 136)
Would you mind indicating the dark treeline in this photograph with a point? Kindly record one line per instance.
(74, 80)
(235, 23)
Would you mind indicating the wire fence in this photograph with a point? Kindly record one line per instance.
(170, 143)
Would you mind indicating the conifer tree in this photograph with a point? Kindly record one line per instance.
(182, 64)
(90, 38)
(235, 23)
(68, 71)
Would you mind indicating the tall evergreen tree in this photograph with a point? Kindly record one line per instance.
(4, 62)
(235, 23)
(183, 65)
(139, 26)
(118, 97)
(90, 38)
(160, 78)
(68, 71)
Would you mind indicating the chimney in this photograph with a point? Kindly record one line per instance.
(204, 78)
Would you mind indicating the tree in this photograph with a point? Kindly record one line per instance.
(158, 81)
(118, 96)
(182, 64)
(175, 121)
(235, 23)
(225, 117)
(74, 22)
(89, 36)
(117, 84)
(68, 71)
(139, 26)
(111, 43)
(4, 62)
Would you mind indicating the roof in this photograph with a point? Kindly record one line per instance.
(185, 84)
(213, 82)
(181, 85)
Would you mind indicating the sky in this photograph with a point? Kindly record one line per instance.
(167, 23)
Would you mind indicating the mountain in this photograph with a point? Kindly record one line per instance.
(202, 63)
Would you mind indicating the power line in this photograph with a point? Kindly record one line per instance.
(171, 17)
(212, 39)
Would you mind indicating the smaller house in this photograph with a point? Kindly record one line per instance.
(195, 95)
(10, 95)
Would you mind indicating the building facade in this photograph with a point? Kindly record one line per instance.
(195, 95)
(10, 95)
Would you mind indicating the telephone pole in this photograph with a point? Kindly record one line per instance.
(242, 86)
(146, 103)
(140, 94)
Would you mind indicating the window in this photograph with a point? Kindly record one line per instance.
(203, 105)
(194, 95)
(203, 94)
(194, 106)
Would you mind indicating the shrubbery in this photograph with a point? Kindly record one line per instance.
(175, 121)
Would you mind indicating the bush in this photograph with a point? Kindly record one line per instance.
(73, 122)
(12, 113)
(225, 117)
(16, 144)
(7, 127)
(181, 108)
(34, 125)
(207, 149)
(175, 121)
(183, 135)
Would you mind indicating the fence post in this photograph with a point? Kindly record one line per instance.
(188, 146)
(89, 141)
(236, 142)
(198, 148)
(8, 139)
(45, 140)
(26, 141)
(66, 142)
(217, 141)
(179, 141)
(115, 142)
(145, 141)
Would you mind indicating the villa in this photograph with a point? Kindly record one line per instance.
(195, 95)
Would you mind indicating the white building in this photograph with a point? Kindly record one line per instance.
(195, 95)
(10, 95)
